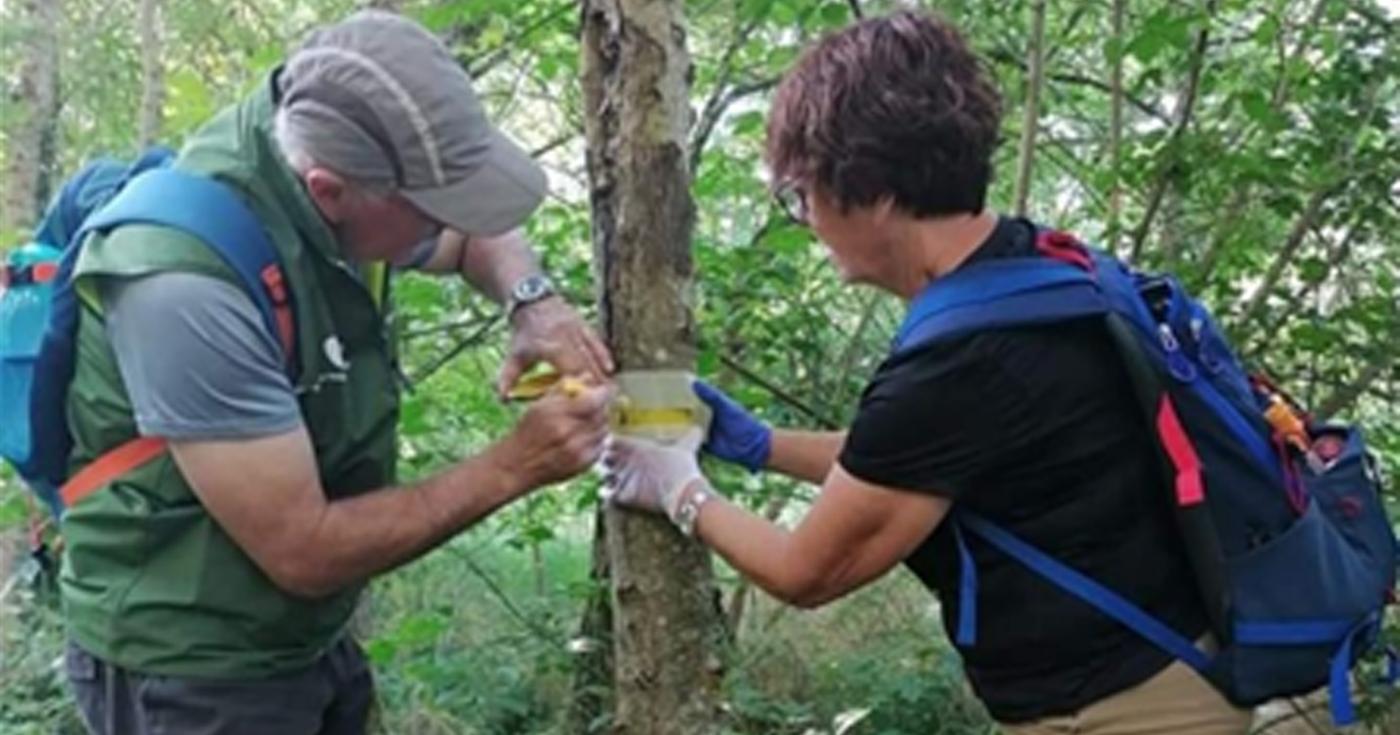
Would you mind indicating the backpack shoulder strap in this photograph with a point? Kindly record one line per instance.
(214, 214)
(1000, 293)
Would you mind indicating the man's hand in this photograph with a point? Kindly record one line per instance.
(547, 330)
(551, 331)
(649, 476)
(559, 436)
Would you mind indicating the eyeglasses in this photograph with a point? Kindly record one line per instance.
(793, 200)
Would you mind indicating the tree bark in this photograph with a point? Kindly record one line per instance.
(591, 700)
(36, 97)
(1035, 58)
(152, 115)
(667, 625)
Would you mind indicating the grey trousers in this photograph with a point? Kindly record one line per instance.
(332, 697)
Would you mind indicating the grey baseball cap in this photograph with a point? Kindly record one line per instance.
(383, 101)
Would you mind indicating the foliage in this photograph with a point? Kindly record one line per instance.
(1272, 195)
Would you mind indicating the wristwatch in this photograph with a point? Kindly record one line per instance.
(527, 291)
(689, 510)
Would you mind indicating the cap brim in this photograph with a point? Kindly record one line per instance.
(495, 198)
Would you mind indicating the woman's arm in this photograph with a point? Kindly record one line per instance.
(805, 455)
(854, 533)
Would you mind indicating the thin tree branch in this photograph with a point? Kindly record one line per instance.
(1286, 254)
(1246, 135)
(472, 339)
(1336, 257)
(152, 73)
(1183, 120)
(1311, 211)
(1035, 57)
(558, 142)
(1115, 129)
(714, 110)
(491, 59)
(450, 326)
(778, 392)
(716, 103)
(1342, 398)
(855, 9)
(494, 588)
(1081, 80)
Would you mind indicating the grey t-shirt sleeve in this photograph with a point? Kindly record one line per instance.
(197, 358)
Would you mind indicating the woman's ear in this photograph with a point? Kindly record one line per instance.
(329, 192)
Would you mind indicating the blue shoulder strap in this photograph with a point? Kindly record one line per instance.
(1000, 293)
(206, 209)
(160, 196)
(1100, 597)
(1008, 293)
(88, 190)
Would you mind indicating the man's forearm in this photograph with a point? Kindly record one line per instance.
(358, 537)
(805, 455)
(494, 264)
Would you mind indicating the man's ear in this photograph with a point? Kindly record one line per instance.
(329, 192)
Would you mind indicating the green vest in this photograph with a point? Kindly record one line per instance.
(150, 582)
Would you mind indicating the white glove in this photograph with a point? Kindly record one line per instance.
(649, 476)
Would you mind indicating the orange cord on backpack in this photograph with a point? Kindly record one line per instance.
(1286, 423)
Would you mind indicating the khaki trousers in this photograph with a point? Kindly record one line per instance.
(1177, 701)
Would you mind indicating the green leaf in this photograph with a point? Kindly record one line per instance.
(749, 123)
(835, 15)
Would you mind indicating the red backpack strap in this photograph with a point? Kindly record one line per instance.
(1064, 247)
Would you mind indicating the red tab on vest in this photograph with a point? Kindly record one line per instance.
(1190, 489)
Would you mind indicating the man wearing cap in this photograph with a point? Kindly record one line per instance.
(207, 591)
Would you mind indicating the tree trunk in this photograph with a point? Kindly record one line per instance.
(1035, 60)
(36, 97)
(152, 74)
(666, 622)
(590, 706)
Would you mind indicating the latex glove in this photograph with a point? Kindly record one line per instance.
(646, 475)
(735, 435)
(552, 331)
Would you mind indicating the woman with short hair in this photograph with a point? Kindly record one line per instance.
(880, 140)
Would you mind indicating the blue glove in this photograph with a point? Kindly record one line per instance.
(735, 435)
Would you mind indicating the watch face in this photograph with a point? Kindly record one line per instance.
(532, 288)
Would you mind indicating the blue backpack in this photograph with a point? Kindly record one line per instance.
(1282, 518)
(39, 307)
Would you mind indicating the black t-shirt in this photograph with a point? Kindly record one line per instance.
(1037, 429)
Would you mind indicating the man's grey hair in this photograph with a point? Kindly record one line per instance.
(305, 148)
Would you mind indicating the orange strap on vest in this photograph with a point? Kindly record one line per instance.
(276, 285)
(109, 467)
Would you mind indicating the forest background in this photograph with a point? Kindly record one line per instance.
(1250, 146)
